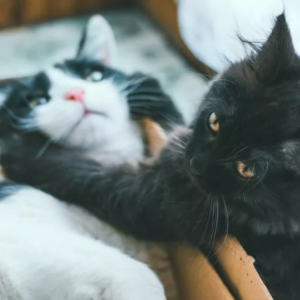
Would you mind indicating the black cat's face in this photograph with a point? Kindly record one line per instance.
(246, 144)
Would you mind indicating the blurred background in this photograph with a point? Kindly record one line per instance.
(37, 33)
(181, 42)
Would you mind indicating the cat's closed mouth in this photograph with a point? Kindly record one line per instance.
(93, 112)
(86, 113)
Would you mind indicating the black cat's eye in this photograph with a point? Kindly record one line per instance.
(95, 76)
(37, 100)
(213, 123)
(245, 171)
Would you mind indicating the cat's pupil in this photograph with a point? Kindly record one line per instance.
(95, 76)
(245, 171)
(43, 100)
(213, 122)
(35, 101)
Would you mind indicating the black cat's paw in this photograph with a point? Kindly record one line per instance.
(22, 159)
(16, 161)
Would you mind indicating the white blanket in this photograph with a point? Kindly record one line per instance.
(210, 28)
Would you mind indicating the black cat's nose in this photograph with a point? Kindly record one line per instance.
(199, 163)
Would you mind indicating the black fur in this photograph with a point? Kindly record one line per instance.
(257, 103)
(8, 188)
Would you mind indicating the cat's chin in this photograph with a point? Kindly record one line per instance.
(85, 132)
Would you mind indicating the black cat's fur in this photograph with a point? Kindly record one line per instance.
(257, 102)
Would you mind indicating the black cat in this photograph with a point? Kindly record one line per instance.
(238, 172)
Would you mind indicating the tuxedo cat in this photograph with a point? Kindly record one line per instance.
(50, 250)
(237, 172)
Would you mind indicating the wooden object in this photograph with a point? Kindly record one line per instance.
(239, 270)
(155, 136)
(21, 12)
(164, 12)
(196, 277)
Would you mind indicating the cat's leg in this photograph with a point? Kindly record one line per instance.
(122, 278)
(72, 267)
(157, 202)
(44, 255)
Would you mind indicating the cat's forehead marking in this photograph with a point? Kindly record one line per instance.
(61, 80)
(55, 74)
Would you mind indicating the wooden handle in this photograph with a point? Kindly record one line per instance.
(196, 277)
(155, 136)
(238, 267)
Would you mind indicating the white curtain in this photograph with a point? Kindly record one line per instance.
(211, 28)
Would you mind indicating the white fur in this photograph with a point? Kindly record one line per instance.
(52, 251)
(109, 136)
(101, 45)
(48, 251)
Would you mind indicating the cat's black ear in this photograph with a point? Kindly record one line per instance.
(277, 57)
(98, 41)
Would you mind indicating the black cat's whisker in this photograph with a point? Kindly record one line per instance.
(235, 157)
(260, 180)
(207, 224)
(224, 239)
(233, 150)
(146, 98)
(177, 142)
(204, 209)
(241, 150)
(215, 222)
(211, 222)
(131, 85)
(178, 152)
(146, 90)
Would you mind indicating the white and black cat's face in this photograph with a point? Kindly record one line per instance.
(246, 145)
(79, 103)
(84, 102)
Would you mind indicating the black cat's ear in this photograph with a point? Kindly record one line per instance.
(98, 41)
(276, 58)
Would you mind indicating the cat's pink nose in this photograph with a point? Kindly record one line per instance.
(75, 95)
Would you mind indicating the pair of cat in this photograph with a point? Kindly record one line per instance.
(50, 250)
(237, 171)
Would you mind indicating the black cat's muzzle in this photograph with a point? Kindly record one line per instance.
(199, 163)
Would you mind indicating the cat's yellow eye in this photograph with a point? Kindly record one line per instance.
(36, 101)
(95, 76)
(213, 123)
(245, 171)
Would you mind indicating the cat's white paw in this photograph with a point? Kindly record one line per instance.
(136, 283)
